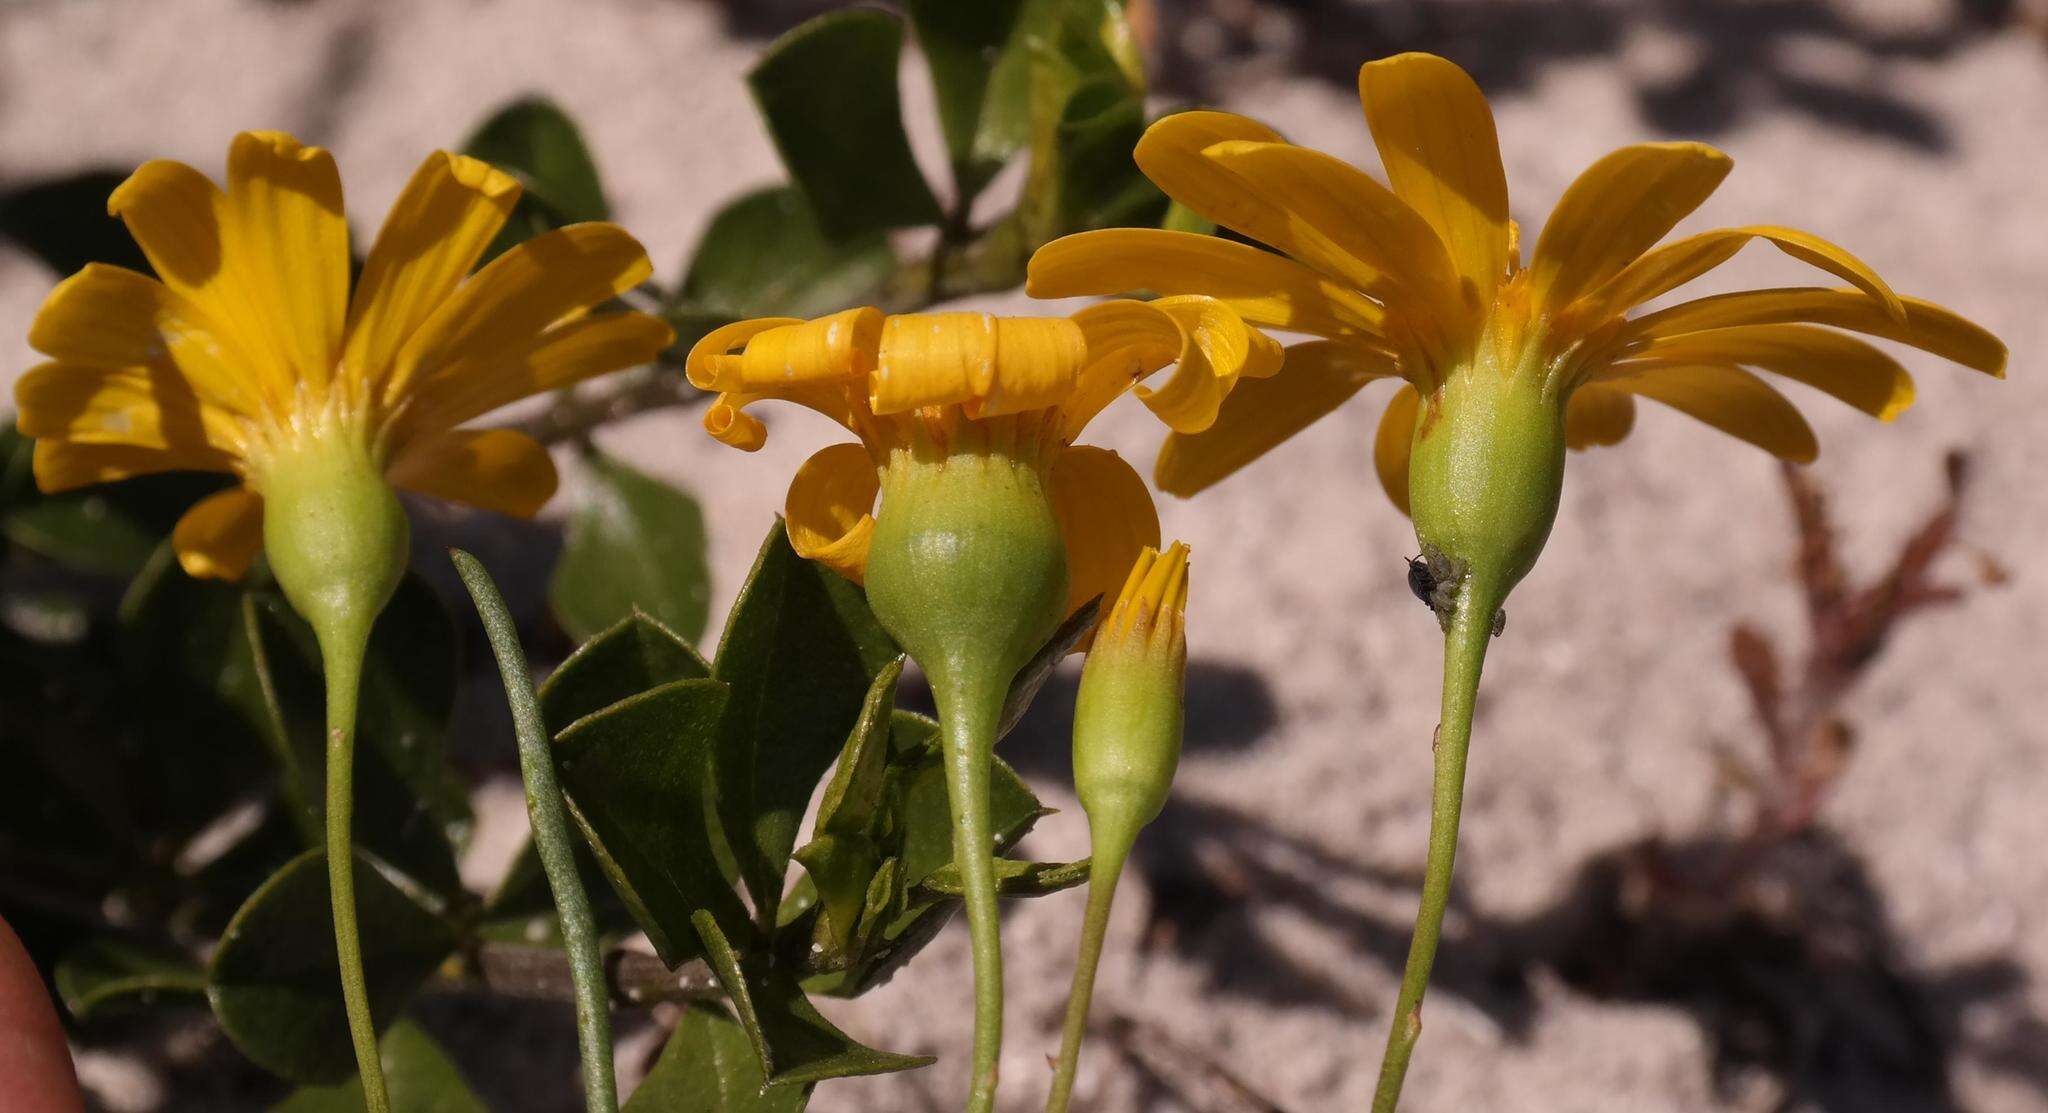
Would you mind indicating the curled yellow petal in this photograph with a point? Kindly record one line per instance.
(491, 469)
(714, 361)
(1616, 210)
(1598, 415)
(1733, 401)
(1832, 362)
(1106, 518)
(729, 423)
(1314, 379)
(787, 353)
(1679, 262)
(1391, 443)
(992, 365)
(220, 535)
(830, 509)
(1436, 138)
(1216, 348)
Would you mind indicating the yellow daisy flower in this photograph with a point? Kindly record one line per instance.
(926, 384)
(248, 351)
(1425, 279)
(992, 525)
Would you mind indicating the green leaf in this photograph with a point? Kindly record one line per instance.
(709, 1066)
(418, 1075)
(842, 856)
(638, 780)
(274, 982)
(1015, 879)
(522, 909)
(1100, 185)
(794, 1042)
(1039, 669)
(828, 91)
(926, 820)
(766, 256)
(104, 971)
(536, 142)
(629, 658)
(1085, 110)
(799, 652)
(962, 44)
(634, 542)
(84, 530)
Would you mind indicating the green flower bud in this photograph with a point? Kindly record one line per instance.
(1129, 712)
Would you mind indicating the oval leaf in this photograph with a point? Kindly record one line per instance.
(634, 542)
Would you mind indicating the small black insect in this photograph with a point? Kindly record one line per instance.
(1422, 581)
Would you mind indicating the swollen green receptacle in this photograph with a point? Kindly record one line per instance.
(967, 571)
(334, 533)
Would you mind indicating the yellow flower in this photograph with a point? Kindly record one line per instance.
(921, 385)
(248, 354)
(1425, 281)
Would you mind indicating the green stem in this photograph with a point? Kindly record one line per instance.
(1106, 866)
(342, 647)
(1464, 652)
(551, 838)
(968, 716)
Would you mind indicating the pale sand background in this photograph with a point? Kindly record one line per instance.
(1608, 691)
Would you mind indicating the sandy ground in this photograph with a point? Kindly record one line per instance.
(1315, 670)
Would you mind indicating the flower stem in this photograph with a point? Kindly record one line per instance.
(1106, 866)
(552, 839)
(968, 714)
(1465, 645)
(342, 646)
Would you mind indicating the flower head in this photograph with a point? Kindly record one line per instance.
(1128, 712)
(1425, 282)
(928, 387)
(249, 354)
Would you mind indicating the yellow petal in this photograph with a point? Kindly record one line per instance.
(290, 240)
(729, 423)
(992, 365)
(830, 509)
(220, 535)
(1343, 222)
(519, 295)
(150, 407)
(1616, 210)
(1263, 288)
(1677, 263)
(1435, 136)
(1927, 326)
(110, 317)
(438, 228)
(1106, 517)
(716, 359)
(182, 223)
(66, 465)
(1598, 415)
(1127, 340)
(563, 357)
(1316, 378)
(1838, 364)
(1216, 348)
(492, 469)
(1733, 401)
(1392, 443)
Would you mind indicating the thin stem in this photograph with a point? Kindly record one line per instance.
(341, 655)
(1106, 867)
(1464, 652)
(552, 839)
(968, 716)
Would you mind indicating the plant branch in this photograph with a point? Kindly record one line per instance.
(632, 979)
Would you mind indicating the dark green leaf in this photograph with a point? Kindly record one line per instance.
(522, 909)
(535, 141)
(709, 1066)
(828, 91)
(637, 776)
(64, 222)
(419, 1076)
(1086, 98)
(634, 542)
(1015, 879)
(926, 820)
(962, 44)
(84, 530)
(1100, 185)
(637, 654)
(1039, 669)
(799, 652)
(102, 971)
(795, 1044)
(274, 982)
(842, 856)
(765, 256)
